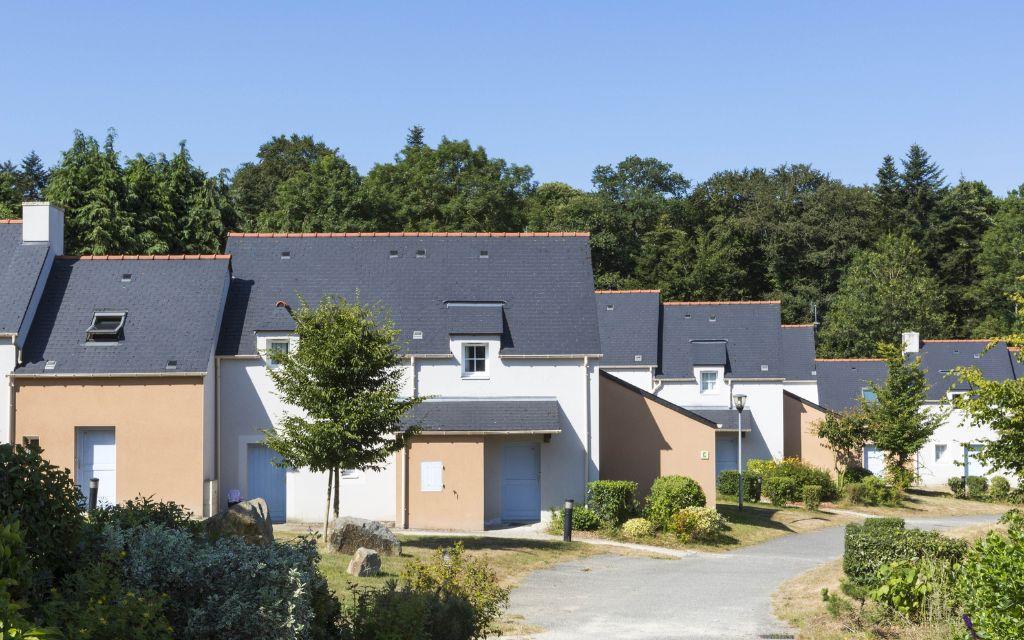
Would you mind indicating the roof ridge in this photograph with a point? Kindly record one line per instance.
(181, 256)
(849, 359)
(961, 340)
(794, 326)
(414, 234)
(10, 221)
(627, 291)
(700, 302)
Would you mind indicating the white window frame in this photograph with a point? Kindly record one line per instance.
(477, 375)
(714, 382)
(271, 343)
(940, 451)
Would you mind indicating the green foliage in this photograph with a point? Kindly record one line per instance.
(867, 548)
(668, 495)
(729, 484)
(977, 487)
(835, 605)
(697, 523)
(906, 586)
(958, 486)
(637, 528)
(45, 501)
(391, 612)
(853, 474)
(1000, 265)
(15, 572)
(782, 489)
(449, 573)
(999, 406)
(762, 468)
(871, 491)
(143, 511)
(845, 435)
(613, 501)
(990, 585)
(583, 519)
(801, 474)
(999, 489)
(812, 496)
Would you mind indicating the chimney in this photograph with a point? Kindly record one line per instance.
(43, 222)
(911, 342)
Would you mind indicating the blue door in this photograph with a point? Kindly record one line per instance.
(520, 482)
(267, 480)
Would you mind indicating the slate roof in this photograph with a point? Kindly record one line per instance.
(798, 352)
(709, 353)
(727, 418)
(172, 309)
(545, 282)
(21, 264)
(476, 319)
(520, 414)
(940, 357)
(840, 381)
(751, 331)
(629, 328)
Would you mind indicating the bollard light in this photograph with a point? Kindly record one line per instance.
(567, 521)
(94, 491)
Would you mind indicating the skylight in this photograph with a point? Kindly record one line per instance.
(107, 326)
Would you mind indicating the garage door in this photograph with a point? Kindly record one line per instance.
(267, 480)
(96, 457)
(520, 482)
(725, 452)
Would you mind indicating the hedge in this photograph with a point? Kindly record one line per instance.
(729, 482)
(614, 501)
(869, 546)
(668, 495)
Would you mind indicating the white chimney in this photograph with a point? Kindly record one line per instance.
(43, 222)
(911, 342)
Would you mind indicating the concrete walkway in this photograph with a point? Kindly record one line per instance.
(703, 595)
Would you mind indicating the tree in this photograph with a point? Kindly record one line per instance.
(898, 423)
(34, 177)
(345, 377)
(697, 265)
(322, 197)
(845, 434)
(884, 292)
(887, 216)
(1000, 269)
(922, 187)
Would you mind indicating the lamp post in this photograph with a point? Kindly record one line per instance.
(739, 400)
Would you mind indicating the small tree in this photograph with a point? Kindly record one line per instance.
(845, 435)
(346, 377)
(898, 425)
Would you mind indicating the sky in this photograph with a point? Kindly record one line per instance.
(560, 86)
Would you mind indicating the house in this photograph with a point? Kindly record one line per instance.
(498, 331)
(115, 379)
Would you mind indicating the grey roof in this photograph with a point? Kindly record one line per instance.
(727, 418)
(798, 352)
(519, 414)
(172, 309)
(476, 319)
(21, 265)
(629, 327)
(751, 330)
(709, 352)
(940, 357)
(840, 382)
(545, 282)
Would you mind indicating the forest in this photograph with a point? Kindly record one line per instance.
(915, 250)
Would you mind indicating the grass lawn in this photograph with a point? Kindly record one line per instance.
(923, 503)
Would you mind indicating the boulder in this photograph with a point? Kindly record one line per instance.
(365, 562)
(249, 520)
(349, 534)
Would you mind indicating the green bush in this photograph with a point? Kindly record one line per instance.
(872, 491)
(761, 468)
(853, 474)
(697, 523)
(889, 523)
(869, 547)
(729, 483)
(14, 574)
(636, 528)
(450, 574)
(977, 487)
(906, 586)
(803, 474)
(614, 501)
(392, 613)
(1016, 496)
(583, 519)
(143, 511)
(46, 502)
(999, 489)
(668, 495)
(781, 489)
(812, 496)
(957, 486)
(990, 585)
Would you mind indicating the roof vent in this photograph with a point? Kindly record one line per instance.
(977, 356)
(712, 318)
(107, 326)
(638, 358)
(764, 367)
(417, 335)
(50, 365)
(171, 365)
(610, 307)
(126, 277)
(687, 316)
(484, 254)
(421, 253)
(286, 255)
(393, 253)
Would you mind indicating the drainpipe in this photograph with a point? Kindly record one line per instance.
(586, 442)
(404, 457)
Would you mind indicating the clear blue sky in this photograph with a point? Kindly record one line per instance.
(561, 86)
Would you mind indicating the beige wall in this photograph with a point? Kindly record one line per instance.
(158, 430)
(460, 504)
(642, 440)
(800, 423)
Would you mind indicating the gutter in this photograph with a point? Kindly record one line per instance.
(564, 356)
(530, 432)
(60, 376)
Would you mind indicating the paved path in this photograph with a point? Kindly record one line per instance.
(705, 595)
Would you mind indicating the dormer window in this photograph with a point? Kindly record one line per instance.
(106, 327)
(474, 361)
(276, 349)
(708, 381)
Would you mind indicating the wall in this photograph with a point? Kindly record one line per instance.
(643, 439)
(801, 423)
(8, 360)
(158, 429)
(806, 390)
(460, 504)
(955, 432)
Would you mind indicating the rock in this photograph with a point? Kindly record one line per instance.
(349, 534)
(249, 520)
(365, 562)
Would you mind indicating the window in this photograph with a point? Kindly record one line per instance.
(708, 381)
(940, 450)
(869, 395)
(30, 441)
(275, 347)
(474, 360)
(106, 327)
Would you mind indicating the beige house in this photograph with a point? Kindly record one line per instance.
(801, 418)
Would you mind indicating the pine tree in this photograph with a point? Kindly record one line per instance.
(10, 194)
(888, 210)
(415, 136)
(34, 177)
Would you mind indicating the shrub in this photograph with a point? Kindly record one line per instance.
(1016, 496)
(142, 511)
(990, 585)
(781, 490)
(449, 574)
(812, 496)
(999, 489)
(761, 468)
(853, 474)
(871, 491)
(729, 483)
(45, 500)
(14, 573)
(226, 588)
(977, 487)
(583, 519)
(906, 587)
(637, 528)
(390, 612)
(869, 547)
(697, 523)
(957, 486)
(613, 501)
(668, 495)
(874, 524)
(803, 474)
(752, 487)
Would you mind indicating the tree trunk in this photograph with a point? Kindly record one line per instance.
(337, 491)
(327, 507)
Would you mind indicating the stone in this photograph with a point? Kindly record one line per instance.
(348, 534)
(249, 520)
(365, 562)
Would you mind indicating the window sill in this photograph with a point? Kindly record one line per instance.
(475, 377)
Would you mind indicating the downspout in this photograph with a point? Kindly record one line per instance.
(586, 442)
(404, 458)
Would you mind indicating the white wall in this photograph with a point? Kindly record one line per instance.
(8, 360)
(642, 378)
(806, 390)
(955, 433)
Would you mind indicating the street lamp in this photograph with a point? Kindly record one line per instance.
(739, 401)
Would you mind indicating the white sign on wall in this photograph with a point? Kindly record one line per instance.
(431, 476)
